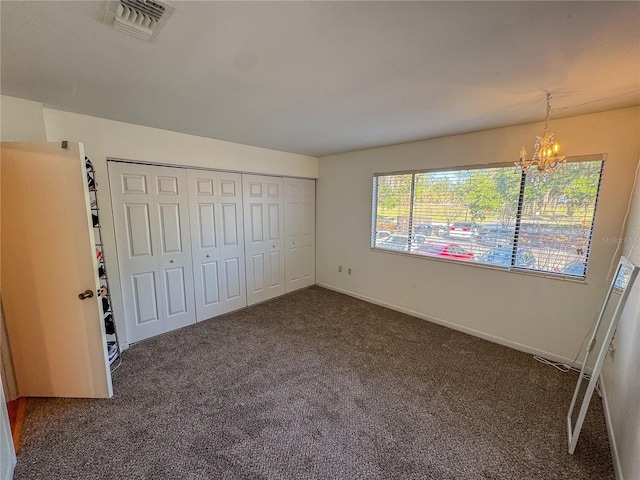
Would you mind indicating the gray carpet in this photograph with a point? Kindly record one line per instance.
(316, 384)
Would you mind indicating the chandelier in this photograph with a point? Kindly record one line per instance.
(545, 151)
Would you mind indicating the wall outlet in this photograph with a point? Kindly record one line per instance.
(339, 268)
(349, 272)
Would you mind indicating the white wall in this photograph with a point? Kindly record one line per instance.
(621, 372)
(532, 313)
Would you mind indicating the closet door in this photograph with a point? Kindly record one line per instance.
(264, 236)
(217, 242)
(57, 340)
(300, 234)
(151, 218)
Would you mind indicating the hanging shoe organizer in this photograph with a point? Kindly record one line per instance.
(113, 344)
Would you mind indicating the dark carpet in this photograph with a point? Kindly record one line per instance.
(316, 384)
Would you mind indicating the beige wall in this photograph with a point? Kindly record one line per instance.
(621, 375)
(532, 313)
(21, 120)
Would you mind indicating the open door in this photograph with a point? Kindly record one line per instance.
(58, 341)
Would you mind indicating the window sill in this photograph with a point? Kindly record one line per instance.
(520, 271)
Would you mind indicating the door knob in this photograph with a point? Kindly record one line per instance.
(172, 261)
(208, 256)
(85, 294)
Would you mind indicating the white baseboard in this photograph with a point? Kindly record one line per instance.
(461, 328)
(617, 467)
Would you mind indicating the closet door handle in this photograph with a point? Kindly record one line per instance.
(86, 294)
(208, 256)
(172, 261)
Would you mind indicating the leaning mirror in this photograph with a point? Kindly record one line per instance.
(607, 322)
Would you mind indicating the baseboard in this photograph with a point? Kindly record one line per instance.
(617, 467)
(476, 333)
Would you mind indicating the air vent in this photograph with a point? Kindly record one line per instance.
(142, 19)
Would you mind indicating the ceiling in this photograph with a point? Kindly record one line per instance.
(319, 78)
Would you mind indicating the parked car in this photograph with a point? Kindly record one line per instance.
(400, 242)
(467, 230)
(575, 268)
(501, 256)
(423, 229)
(496, 238)
(381, 235)
(446, 250)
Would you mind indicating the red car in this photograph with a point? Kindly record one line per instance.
(445, 250)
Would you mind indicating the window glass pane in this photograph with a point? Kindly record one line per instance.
(557, 216)
(472, 212)
(393, 206)
(483, 216)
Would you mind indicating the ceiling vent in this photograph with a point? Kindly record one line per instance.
(142, 19)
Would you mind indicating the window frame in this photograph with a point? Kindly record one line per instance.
(601, 157)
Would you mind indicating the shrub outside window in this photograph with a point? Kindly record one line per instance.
(493, 215)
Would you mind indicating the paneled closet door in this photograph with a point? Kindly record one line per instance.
(217, 242)
(264, 237)
(300, 233)
(151, 217)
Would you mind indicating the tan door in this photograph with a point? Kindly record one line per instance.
(57, 341)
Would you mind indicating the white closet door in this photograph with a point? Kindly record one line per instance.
(264, 234)
(150, 210)
(217, 242)
(299, 227)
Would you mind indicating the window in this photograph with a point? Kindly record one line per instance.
(491, 215)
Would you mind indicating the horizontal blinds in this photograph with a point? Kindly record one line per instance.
(486, 216)
(557, 217)
(393, 208)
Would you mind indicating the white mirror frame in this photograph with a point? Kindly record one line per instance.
(574, 432)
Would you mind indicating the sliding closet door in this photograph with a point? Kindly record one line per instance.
(217, 242)
(264, 234)
(300, 233)
(151, 217)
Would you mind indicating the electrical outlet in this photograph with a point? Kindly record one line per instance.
(339, 268)
(349, 272)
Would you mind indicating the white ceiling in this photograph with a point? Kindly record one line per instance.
(325, 77)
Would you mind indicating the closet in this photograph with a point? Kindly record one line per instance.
(194, 244)
(151, 219)
(217, 242)
(264, 243)
(50, 278)
(300, 233)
